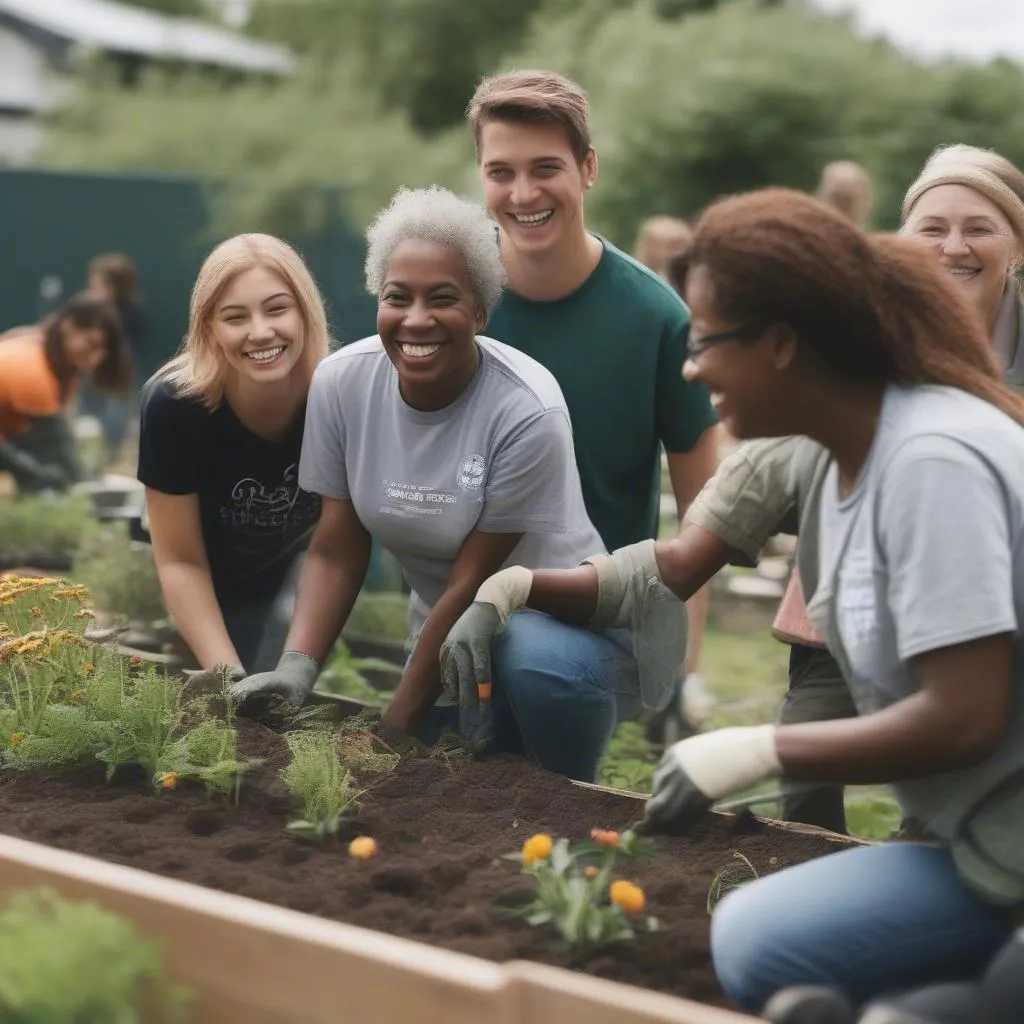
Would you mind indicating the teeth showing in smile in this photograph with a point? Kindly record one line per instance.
(963, 271)
(264, 355)
(533, 218)
(418, 351)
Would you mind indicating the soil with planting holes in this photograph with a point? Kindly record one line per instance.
(441, 824)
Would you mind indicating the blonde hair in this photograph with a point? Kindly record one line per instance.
(200, 370)
(660, 239)
(846, 186)
(533, 97)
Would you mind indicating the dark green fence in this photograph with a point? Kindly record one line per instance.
(52, 223)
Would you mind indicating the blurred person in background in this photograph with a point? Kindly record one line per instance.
(219, 443)
(115, 277)
(846, 185)
(40, 371)
(659, 240)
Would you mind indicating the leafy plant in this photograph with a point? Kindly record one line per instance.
(343, 675)
(575, 893)
(69, 961)
(120, 574)
(42, 526)
(317, 777)
(208, 752)
(732, 876)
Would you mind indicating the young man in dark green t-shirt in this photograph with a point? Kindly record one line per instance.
(612, 332)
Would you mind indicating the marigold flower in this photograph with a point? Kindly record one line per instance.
(89, 668)
(627, 896)
(36, 613)
(76, 696)
(604, 836)
(536, 848)
(590, 872)
(362, 847)
(134, 660)
(167, 780)
(15, 740)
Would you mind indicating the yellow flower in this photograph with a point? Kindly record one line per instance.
(89, 668)
(591, 872)
(604, 837)
(76, 696)
(627, 896)
(362, 847)
(15, 741)
(168, 780)
(536, 848)
(36, 613)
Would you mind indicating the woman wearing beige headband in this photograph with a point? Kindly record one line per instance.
(968, 204)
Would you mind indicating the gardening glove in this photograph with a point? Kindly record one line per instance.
(42, 476)
(291, 681)
(696, 772)
(466, 651)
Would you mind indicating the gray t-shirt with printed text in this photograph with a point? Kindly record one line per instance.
(499, 459)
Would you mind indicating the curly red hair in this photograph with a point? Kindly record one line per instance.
(874, 307)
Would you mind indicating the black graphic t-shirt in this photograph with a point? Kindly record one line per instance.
(254, 515)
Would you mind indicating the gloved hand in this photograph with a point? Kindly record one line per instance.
(291, 681)
(696, 772)
(466, 651)
(43, 476)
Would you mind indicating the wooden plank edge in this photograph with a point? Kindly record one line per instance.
(549, 994)
(252, 961)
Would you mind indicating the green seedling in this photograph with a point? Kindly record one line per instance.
(344, 675)
(69, 961)
(575, 893)
(208, 753)
(316, 776)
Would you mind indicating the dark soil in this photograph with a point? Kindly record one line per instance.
(441, 824)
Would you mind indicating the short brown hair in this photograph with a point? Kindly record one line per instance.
(872, 307)
(533, 97)
(86, 312)
(120, 273)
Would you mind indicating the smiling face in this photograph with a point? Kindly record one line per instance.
(741, 364)
(533, 184)
(259, 327)
(428, 316)
(971, 238)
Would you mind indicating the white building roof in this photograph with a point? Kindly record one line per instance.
(120, 28)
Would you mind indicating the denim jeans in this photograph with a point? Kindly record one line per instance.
(558, 693)
(865, 922)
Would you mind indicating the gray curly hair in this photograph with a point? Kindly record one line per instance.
(436, 215)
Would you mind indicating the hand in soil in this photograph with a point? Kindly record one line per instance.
(213, 680)
(292, 681)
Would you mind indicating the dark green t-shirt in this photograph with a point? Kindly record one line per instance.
(616, 346)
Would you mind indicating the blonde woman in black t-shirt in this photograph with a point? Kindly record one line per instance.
(220, 437)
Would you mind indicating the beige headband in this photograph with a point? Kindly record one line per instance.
(956, 172)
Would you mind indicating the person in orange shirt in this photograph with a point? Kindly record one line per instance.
(40, 368)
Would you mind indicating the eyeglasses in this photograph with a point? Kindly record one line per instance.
(696, 347)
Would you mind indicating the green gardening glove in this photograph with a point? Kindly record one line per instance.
(292, 681)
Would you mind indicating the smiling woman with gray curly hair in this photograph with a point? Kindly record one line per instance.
(454, 452)
(436, 215)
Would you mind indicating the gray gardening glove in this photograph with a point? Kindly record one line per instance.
(291, 681)
(466, 652)
(696, 772)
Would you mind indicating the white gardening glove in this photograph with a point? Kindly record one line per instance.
(696, 772)
(466, 651)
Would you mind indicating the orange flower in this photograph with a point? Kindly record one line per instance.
(89, 668)
(536, 848)
(15, 740)
(627, 896)
(168, 780)
(604, 837)
(362, 847)
(76, 696)
(590, 871)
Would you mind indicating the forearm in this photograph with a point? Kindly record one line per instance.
(569, 595)
(913, 738)
(327, 590)
(420, 685)
(697, 618)
(192, 603)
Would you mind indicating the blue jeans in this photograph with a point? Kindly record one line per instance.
(865, 922)
(558, 693)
